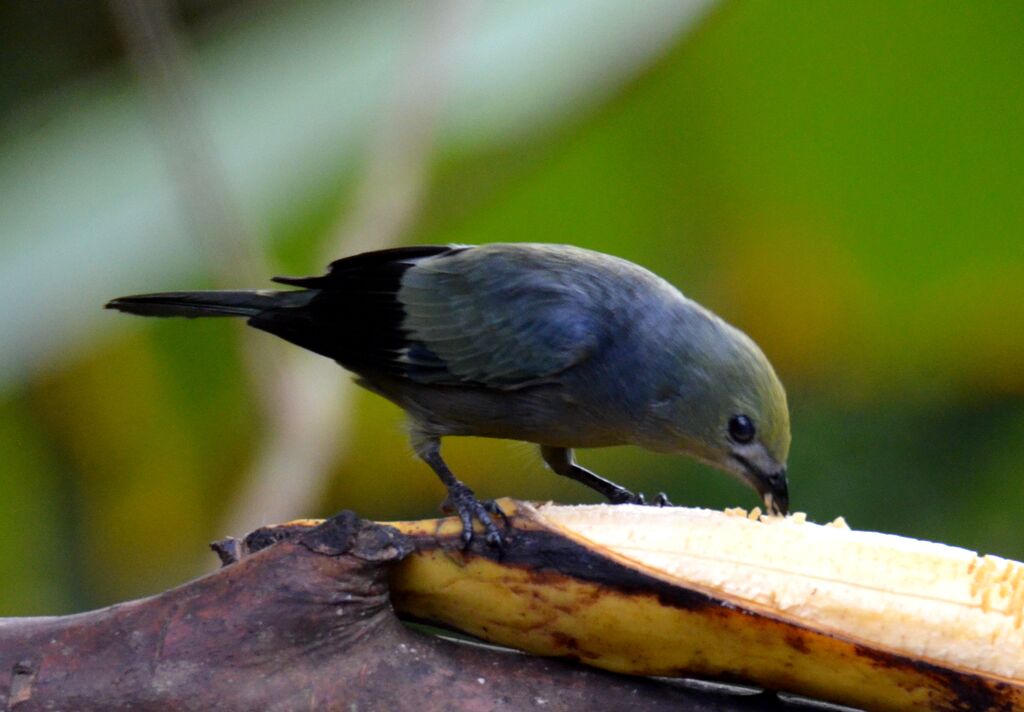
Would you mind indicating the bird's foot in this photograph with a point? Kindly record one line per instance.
(462, 501)
(624, 496)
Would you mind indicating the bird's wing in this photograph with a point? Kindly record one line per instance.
(496, 319)
(444, 315)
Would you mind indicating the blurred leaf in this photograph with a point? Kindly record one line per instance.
(88, 212)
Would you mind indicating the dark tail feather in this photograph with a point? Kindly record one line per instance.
(213, 303)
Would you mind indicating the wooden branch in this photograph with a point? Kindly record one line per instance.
(304, 624)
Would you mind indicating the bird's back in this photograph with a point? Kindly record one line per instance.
(502, 316)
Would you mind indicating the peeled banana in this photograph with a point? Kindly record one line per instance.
(858, 618)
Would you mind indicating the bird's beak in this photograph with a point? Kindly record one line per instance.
(774, 490)
(770, 482)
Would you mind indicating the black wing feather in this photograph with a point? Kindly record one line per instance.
(379, 271)
(355, 317)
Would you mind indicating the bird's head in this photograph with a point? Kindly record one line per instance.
(727, 408)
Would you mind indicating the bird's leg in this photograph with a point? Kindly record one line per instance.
(561, 460)
(461, 498)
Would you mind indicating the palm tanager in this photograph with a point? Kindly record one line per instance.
(549, 344)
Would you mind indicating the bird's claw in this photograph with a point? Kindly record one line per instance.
(661, 500)
(627, 497)
(462, 501)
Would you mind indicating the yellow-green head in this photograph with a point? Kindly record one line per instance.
(721, 402)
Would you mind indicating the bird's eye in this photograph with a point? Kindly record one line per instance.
(741, 429)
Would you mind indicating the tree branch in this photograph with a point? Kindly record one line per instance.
(305, 623)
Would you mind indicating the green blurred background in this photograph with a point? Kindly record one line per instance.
(841, 180)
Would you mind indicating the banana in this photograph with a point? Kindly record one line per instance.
(857, 618)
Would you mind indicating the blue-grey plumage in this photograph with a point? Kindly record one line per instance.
(550, 344)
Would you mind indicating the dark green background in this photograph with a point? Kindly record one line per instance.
(841, 180)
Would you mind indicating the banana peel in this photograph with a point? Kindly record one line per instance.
(856, 618)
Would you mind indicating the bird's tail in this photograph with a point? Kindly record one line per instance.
(212, 303)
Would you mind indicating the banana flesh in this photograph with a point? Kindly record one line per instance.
(858, 618)
(930, 600)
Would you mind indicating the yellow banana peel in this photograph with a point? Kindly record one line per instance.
(858, 618)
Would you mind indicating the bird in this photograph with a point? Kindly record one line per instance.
(555, 345)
